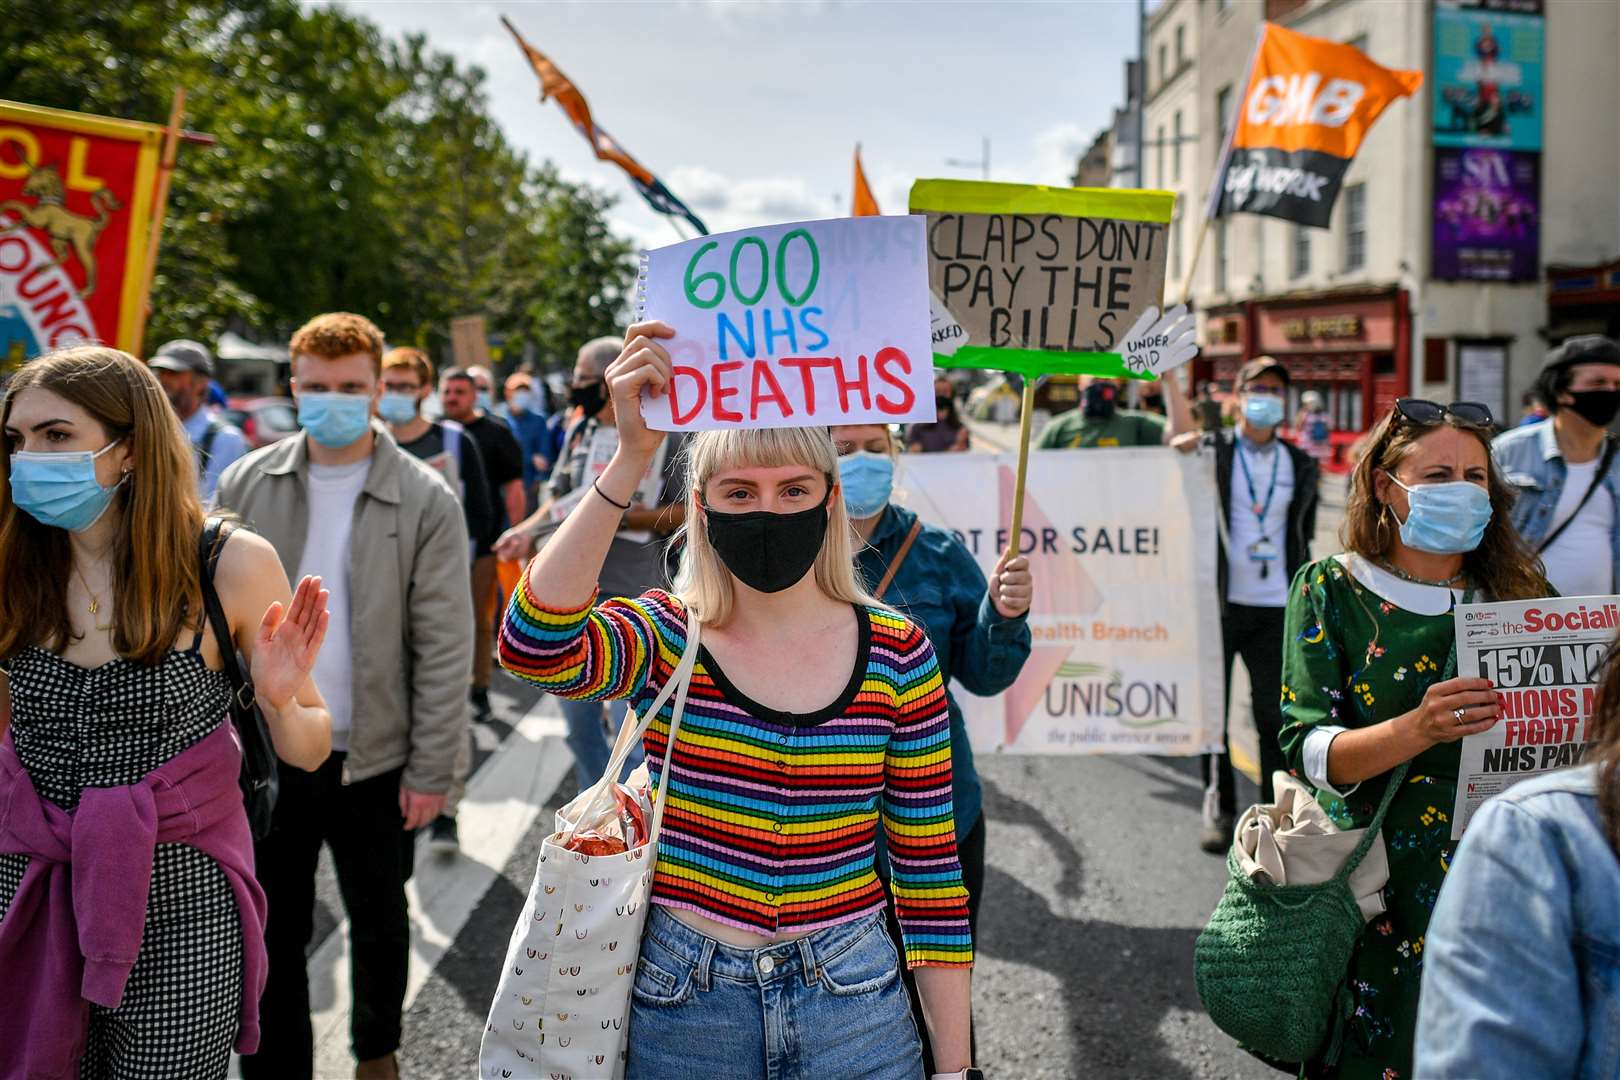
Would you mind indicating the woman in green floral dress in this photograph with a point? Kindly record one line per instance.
(1366, 684)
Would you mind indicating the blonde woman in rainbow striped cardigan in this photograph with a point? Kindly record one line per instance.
(814, 715)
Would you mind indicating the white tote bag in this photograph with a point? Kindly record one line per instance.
(1292, 841)
(563, 1004)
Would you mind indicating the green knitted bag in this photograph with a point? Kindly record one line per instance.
(1271, 964)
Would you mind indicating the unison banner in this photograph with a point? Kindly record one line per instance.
(1306, 106)
(1127, 640)
(75, 205)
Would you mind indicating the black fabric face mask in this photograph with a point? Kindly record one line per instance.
(591, 397)
(1098, 401)
(767, 552)
(1598, 407)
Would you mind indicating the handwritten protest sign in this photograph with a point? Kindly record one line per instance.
(1126, 648)
(1040, 280)
(819, 322)
(1546, 658)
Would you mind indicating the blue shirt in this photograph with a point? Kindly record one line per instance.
(941, 588)
(1533, 466)
(228, 444)
(531, 431)
(1521, 968)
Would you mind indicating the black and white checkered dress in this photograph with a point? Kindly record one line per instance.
(107, 727)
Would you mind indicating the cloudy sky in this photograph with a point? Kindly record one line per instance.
(750, 109)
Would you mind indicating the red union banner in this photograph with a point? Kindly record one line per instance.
(75, 207)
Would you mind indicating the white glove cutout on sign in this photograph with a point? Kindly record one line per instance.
(1156, 345)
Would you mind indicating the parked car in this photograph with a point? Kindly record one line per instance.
(263, 420)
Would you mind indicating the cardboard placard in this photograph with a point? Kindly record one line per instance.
(1040, 280)
(807, 324)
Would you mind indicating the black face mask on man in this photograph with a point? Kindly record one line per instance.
(1098, 400)
(1597, 407)
(590, 397)
(767, 552)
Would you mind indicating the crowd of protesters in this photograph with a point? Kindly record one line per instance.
(156, 932)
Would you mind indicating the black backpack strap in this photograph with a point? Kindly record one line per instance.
(1609, 444)
(214, 535)
(205, 449)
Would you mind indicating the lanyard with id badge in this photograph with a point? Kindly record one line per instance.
(1262, 551)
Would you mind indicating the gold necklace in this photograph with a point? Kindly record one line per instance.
(95, 601)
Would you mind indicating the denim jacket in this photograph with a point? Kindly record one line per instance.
(1534, 467)
(1521, 973)
(941, 587)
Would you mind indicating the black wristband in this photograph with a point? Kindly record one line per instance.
(622, 506)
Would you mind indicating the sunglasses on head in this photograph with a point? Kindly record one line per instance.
(1419, 411)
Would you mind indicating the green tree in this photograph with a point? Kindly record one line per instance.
(350, 172)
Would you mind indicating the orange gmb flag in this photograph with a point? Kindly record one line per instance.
(1306, 107)
(75, 207)
(865, 202)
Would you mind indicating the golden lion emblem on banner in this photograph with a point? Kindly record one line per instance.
(69, 233)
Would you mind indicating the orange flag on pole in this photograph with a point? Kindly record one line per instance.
(1307, 105)
(865, 202)
(556, 86)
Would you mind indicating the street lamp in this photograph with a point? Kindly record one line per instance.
(982, 163)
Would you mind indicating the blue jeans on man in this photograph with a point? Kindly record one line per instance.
(592, 727)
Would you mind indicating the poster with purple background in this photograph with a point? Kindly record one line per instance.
(1487, 215)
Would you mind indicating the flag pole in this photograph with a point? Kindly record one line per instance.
(172, 134)
(1025, 415)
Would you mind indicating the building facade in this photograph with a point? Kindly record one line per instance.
(1514, 136)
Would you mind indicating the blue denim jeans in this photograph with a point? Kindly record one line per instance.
(827, 1005)
(590, 737)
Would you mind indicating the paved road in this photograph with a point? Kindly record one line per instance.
(1095, 892)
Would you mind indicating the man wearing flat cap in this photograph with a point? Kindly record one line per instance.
(1566, 471)
(185, 368)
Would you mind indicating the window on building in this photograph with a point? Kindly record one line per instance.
(1164, 65)
(1219, 229)
(1223, 111)
(1158, 156)
(1355, 227)
(1181, 45)
(1175, 151)
(1175, 248)
(1302, 251)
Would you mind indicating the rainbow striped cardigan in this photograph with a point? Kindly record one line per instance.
(772, 817)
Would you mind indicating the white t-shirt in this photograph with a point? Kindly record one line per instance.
(1252, 581)
(1581, 561)
(333, 491)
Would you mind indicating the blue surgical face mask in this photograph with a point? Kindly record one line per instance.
(396, 407)
(485, 402)
(1445, 519)
(522, 400)
(1263, 410)
(867, 480)
(334, 420)
(61, 490)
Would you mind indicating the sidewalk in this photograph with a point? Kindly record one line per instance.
(1003, 438)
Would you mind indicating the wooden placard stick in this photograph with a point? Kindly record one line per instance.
(172, 136)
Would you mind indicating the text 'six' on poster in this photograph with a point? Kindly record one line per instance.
(813, 323)
(1022, 277)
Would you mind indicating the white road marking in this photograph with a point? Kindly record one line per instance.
(503, 799)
